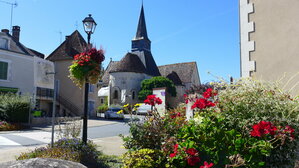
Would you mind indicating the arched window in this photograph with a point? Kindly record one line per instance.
(133, 95)
(115, 94)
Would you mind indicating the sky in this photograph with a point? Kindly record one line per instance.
(206, 32)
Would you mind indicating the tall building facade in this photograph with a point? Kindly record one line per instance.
(269, 31)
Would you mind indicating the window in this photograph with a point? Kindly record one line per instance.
(3, 43)
(91, 88)
(115, 95)
(133, 95)
(3, 70)
(102, 101)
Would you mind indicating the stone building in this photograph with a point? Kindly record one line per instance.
(122, 79)
(269, 31)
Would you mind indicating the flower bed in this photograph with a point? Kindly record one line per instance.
(246, 124)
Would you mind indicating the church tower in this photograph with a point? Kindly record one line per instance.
(141, 46)
(141, 41)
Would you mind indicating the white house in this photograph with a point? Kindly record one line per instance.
(23, 70)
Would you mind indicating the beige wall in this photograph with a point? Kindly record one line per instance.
(276, 38)
(69, 90)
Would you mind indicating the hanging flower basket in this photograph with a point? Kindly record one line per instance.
(87, 67)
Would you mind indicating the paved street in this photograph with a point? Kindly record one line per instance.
(103, 132)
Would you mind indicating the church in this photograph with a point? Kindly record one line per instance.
(122, 79)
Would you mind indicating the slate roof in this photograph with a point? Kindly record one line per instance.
(129, 63)
(151, 66)
(105, 77)
(141, 29)
(173, 76)
(16, 46)
(183, 70)
(74, 44)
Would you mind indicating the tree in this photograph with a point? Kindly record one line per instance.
(147, 86)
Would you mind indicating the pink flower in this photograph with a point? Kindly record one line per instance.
(207, 165)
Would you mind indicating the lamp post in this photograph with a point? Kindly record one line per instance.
(89, 26)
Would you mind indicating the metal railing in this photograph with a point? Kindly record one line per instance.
(68, 105)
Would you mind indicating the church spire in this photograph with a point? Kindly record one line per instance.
(141, 41)
(141, 29)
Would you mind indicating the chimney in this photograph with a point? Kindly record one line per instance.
(16, 33)
(5, 31)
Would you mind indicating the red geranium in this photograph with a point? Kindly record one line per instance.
(192, 161)
(172, 155)
(152, 100)
(263, 128)
(288, 129)
(202, 104)
(206, 165)
(192, 151)
(209, 93)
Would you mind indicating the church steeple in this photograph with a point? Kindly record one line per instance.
(141, 41)
(141, 29)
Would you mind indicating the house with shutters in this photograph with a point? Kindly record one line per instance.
(24, 71)
(122, 79)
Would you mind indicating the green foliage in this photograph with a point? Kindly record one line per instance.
(146, 158)
(14, 108)
(222, 134)
(102, 108)
(147, 86)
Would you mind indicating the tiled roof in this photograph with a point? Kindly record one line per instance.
(151, 67)
(105, 77)
(183, 70)
(173, 76)
(16, 46)
(74, 44)
(129, 63)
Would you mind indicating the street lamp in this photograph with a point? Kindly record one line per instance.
(89, 26)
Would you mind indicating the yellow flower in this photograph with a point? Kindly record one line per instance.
(126, 105)
(120, 111)
(137, 105)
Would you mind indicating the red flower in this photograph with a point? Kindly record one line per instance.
(206, 165)
(152, 100)
(288, 129)
(202, 104)
(209, 93)
(263, 128)
(172, 155)
(175, 148)
(192, 151)
(192, 161)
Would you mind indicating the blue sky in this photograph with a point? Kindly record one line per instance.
(181, 31)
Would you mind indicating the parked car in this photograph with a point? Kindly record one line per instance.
(112, 113)
(143, 109)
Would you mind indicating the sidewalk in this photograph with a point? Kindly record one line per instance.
(108, 145)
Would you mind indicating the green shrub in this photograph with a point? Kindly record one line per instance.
(147, 86)
(146, 158)
(14, 108)
(102, 108)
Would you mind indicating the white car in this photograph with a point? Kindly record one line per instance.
(143, 109)
(112, 113)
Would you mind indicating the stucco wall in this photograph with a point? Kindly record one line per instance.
(20, 71)
(69, 90)
(276, 41)
(126, 80)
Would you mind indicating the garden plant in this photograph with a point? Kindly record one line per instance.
(245, 124)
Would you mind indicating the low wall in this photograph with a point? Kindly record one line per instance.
(48, 120)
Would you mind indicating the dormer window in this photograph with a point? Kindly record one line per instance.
(3, 43)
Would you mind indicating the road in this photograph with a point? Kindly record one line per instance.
(33, 137)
